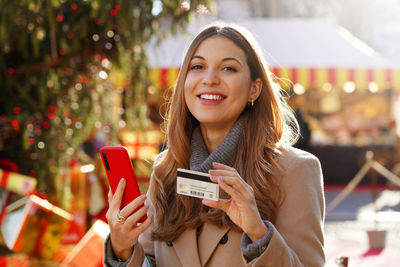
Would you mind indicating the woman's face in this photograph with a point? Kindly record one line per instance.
(218, 82)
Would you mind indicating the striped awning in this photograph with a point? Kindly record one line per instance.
(307, 77)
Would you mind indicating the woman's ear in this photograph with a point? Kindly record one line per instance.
(255, 89)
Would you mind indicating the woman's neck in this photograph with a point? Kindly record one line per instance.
(213, 136)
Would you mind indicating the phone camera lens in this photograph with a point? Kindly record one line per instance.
(106, 161)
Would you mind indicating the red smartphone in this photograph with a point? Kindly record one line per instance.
(118, 165)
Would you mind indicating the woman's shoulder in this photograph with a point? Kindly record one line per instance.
(160, 156)
(291, 156)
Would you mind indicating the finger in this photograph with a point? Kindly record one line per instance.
(133, 205)
(109, 196)
(222, 204)
(220, 166)
(240, 186)
(143, 227)
(117, 198)
(135, 217)
(228, 171)
(235, 194)
(222, 173)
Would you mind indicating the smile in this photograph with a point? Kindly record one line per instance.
(211, 96)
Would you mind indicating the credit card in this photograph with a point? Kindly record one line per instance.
(196, 184)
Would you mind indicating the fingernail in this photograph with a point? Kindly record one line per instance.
(122, 180)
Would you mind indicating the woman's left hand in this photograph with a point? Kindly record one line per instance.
(241, 207)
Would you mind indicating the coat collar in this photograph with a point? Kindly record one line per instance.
(186, 248)
(209, 239)
(186, 245)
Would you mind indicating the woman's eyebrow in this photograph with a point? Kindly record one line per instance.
(224, 59)
(233, 58)
(196, 56)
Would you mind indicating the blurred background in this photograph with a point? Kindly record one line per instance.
(79, 75)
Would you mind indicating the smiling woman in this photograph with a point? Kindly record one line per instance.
(218, 87)
(226, 119)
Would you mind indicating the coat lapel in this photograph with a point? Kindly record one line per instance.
(186, 248)
(209, 239)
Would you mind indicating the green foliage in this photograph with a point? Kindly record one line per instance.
(52, 54)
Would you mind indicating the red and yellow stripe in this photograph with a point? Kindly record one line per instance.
(308, 77)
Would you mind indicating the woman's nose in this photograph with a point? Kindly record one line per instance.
(210, 77)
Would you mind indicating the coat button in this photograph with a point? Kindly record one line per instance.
(169, 244)
(224, 239)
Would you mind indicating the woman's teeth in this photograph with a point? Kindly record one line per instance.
(211, 97)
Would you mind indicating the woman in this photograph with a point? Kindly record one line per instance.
(226, 118)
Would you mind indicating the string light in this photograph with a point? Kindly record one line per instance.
(50, 83)
(349, 87)
(40, 34)
(185, 5)
(75, 106)
(95, 37)
(108, 46)
(373, 87)
(70, 151)
(121, 124)
(157, 8)
(41, 145)
(78, 86)
(87, 168)
(106, 63)
(30, 27)
(151, 90)
(298, 89)
(69, 132)
(106, 129)
(15, 125)
(110, 34)
(327, 87)
(103, 75)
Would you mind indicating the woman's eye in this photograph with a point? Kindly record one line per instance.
(196, 67)
(230, 69)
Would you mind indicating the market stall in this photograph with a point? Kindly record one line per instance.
(346, 92)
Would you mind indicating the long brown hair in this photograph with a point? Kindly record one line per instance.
(267, 129)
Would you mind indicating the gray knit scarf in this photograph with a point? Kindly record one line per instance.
(201, 161)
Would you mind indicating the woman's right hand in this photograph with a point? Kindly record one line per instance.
(124, 230)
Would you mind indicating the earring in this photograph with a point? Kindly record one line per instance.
(252, 102)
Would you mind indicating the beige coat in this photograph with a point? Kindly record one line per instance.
(297, 241)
